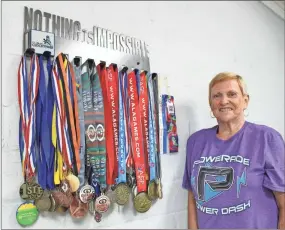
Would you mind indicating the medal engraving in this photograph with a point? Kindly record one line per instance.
(152, 190)
(122, 193)
(142, 202)
(27, 214)
(102, 204)
(31, 191)
(87, 193)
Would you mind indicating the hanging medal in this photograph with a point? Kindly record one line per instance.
(141, 201)
(152, 186)
(122, 189)
(159, 129)
(28, 83)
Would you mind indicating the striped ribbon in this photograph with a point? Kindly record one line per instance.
(28, 84)
(63, 140)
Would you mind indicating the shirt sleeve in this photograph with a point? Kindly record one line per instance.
(186, 183)
(274, 178)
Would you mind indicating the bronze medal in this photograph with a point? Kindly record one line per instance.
(122, 193)
(31, 191)
(102, 204)
(152, 190)
(43, 204)
(142, 202)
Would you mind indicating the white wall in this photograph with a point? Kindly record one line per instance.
(189, 43)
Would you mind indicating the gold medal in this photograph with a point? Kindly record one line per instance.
(142, 202)
(152, 190)
(31, 191)
(122, 193)
(73, 182)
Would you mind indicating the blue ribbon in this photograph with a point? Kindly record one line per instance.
(164, 99)
(122, 136)
(44, 107)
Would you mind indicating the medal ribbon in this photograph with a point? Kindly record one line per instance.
(69, 88)
(28, 84)
(157, 112)
(122, 134)
(113, 122)
(152, 133)
(93, 106)
(171, 123)
(163, 112)
(126, 106)
(144, 113)
(81, 173)
(136, 134)
(61, 140)
(45, 104)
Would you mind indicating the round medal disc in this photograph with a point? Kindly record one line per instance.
(87, 193)
(27, 214)
(73, 182)
(43, 204)
(142, 202)
(102, 204)
(122, 193)
(152, 190)
(31, 191)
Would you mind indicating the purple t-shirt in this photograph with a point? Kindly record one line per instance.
(232, 180)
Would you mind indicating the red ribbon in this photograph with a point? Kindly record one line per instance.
(136, 134)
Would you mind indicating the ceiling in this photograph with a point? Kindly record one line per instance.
(276, 6)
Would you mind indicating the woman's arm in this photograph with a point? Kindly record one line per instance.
(280, 199)
(192, 215)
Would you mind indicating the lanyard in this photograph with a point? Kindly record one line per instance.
(112, 106)
(93, 106)
(45, 104)
(28, 83)
(152, 134)
(163, 121)
(69, 88)
(61, 135)
(122, 134)
(144, 113)
(136, 133)
(171, 123)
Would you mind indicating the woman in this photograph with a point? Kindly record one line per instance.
(234, 171)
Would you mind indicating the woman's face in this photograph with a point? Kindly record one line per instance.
(227, 101)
